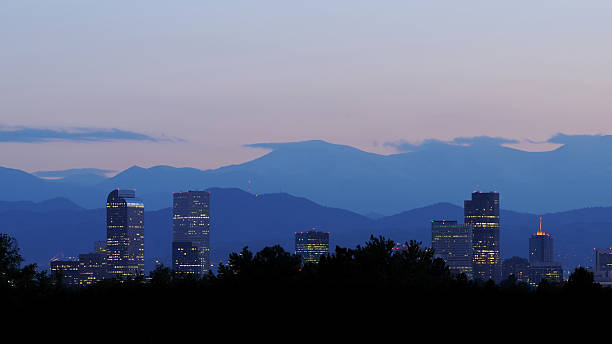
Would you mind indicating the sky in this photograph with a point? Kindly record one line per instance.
(111, 84)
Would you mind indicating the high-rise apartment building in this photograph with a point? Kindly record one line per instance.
(124, 234)
(191, 232)
(482, 213)
(453, 243)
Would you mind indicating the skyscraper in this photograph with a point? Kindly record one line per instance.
(453, 243)
(541, 247)
(124, 234)
(603, 259)
(311, 245)
(92, 268)
(100, 246)
(482, 213)
(191, 231)
(602, 269)
(541, 258)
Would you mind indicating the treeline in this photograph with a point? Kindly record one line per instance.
(375, 266)
(366, 283)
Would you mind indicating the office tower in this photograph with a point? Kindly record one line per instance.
(92, 268)
(124, 234)
(602, 269)
(517, 266)
(100, 247)
(453, 243)
(541, 247)
(482, 213)
(603, 259)
(311, 245)
(552, 271)
(541, 259)
(191, 231)
(69, 270)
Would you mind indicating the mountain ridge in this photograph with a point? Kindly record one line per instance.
(572, 176)
(239, 219)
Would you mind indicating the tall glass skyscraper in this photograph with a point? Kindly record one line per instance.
(453, 243)
(482, 213)
(124, 234)
(311, 245)
(191, 231)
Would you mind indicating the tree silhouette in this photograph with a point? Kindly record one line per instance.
(581, 280)
(161, 276)
(271, 264)
(10, 260)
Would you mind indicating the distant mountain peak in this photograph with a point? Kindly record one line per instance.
(306, 149)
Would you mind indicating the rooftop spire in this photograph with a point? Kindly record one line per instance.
(541, 232)
(540, 223)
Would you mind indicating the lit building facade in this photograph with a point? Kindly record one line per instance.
(92, 268)
(517, 266)
(191, 232)
(124, 234)
(69, 270)
(482, 213)
(311, 245)
(538, 271)
(100, 247)
(603, 259)
(602, 269)
(453, 243)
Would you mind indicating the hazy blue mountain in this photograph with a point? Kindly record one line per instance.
(573, 176)
(17, 185)
(243, 219)
(50, 205)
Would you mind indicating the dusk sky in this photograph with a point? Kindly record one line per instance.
(110, 84)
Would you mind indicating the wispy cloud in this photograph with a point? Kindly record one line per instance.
(72, 172)
(405, 146)
(29, 135)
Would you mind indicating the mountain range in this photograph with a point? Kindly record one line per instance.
(59, 227)
(575, 175)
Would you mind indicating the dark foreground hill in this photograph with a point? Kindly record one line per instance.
(55, 227)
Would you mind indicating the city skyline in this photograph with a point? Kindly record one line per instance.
(245, 161)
